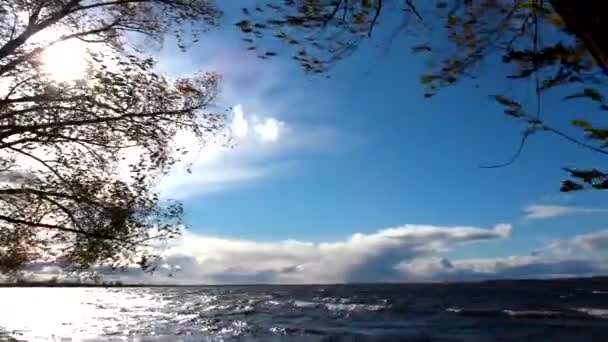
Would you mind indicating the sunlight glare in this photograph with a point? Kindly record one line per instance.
(65, 61)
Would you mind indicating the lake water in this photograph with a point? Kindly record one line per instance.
(464, 312)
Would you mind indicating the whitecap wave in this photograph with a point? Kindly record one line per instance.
(304, 304)
(355, 307)
(245, 309)
(531, 313)
(595, 312)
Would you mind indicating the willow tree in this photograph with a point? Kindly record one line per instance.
(553, 44)
(79, 157)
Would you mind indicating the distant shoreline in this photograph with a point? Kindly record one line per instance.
(599, 280)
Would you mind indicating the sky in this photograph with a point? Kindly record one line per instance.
(357, 177)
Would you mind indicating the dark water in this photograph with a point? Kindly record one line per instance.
(576, 311)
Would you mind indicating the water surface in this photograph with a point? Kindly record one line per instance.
(463, 312)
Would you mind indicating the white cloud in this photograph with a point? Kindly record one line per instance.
(590, 245)
(550, 211)
(269, 130)
(249, 155)
(361, 257)
(594, 242)
(582, 255)
(263, 140)
(408, 253)
(240, 126)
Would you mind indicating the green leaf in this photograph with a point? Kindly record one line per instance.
(602, 185)
(568, 186)
(428, 78)
(421, 48)
(516, 112)
(505, 101)
(581, 123)
(592, 94)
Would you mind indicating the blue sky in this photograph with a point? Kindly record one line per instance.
(361, 164)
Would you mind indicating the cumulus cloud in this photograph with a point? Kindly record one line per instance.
(239, 126)
(408, 253)
(362, 257)
(260, 137)
(255, 147)
(582, 255)
(594, 242)
(550, 211)
(269, 129)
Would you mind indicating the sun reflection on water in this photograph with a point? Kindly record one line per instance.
(77, 313)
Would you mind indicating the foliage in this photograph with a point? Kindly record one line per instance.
(553, 43)
(79, 159)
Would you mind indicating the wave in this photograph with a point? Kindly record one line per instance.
(355, 307)
(594, 312)
(476, 312)
(226, 310)
(243, 310)
(305, 305)
(341, 306)
(273, 302)
(533, 314)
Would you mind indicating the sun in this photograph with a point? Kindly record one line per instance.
(65, 61)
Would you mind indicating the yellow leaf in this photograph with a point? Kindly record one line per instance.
(557, 20)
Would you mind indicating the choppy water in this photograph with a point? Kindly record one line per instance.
(465, 312)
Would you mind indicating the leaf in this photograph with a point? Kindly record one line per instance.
(421, 48)
(523, 74)
(557, 20)
(245, 26)
(597, 133)
(602, 185)
(592, 94)
(428, 78)
(581, 123)
(515, 112)
(568, 186)
(587, 176)
(505, 101)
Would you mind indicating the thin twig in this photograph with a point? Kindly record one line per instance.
(373, 23)
(516, 155)
(535, 65)
(576, 141)
(413, 9)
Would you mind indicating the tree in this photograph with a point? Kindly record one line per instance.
(66, 195)
(554, 44)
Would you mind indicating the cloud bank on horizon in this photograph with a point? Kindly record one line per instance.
(408, 253)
